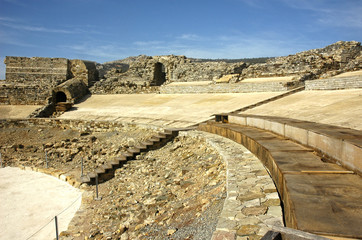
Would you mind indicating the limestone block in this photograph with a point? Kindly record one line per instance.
(275, 127)
(297, 134)
(237, 119)
(328, 145)
(256, 122)
(352, 156)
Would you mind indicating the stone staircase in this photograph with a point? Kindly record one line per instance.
(319, 196)
(107, 170)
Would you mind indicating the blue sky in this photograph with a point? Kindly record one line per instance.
(105, 30)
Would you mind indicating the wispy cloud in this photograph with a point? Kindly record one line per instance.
(35, 28)
(337, 14)
(12, 39)
(17, 24)
(16, 2)
(191, 37)
(147, 43)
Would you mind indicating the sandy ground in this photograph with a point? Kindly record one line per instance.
(167, 110)
(339, 107)
(17, 111)
(45, 197)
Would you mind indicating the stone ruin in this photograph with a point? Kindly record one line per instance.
(37, 80)
(42, 81)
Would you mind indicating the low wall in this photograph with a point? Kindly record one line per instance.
(334, 83)
(231, 88)
(341, 144)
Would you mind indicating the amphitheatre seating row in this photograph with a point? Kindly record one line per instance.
(338, 144)
(318, 197)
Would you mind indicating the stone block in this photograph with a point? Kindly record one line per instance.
(237, 119)
(275, 127)
(326, 144)
(351, 156)
(256, 122)
(297, 134)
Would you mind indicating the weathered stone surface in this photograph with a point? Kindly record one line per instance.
(32, 80)
(317, 63)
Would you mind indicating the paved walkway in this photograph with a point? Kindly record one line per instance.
(45, 197)
(252, 205)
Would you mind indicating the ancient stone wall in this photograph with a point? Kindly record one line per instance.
(334, 83)
(33, 80)
(36, 71)
(313, 64)
(231, 88)
(84, 70)
(11, 94)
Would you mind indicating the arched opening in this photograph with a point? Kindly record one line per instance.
(159, 74)
(60, 97)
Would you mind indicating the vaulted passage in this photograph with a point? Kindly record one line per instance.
(60, 97)
(159, 75)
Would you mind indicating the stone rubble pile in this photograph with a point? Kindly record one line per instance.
(313, 64)
(66, 148)
(175, 192)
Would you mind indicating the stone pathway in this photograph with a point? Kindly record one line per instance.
(252, 204)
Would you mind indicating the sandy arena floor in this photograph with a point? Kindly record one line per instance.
(45, 197)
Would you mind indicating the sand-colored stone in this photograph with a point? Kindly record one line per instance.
(340, 108)
(188, 109)
(17, 111)
(269, 79)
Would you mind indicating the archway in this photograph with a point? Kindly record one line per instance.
(159, 74)
(60, 97)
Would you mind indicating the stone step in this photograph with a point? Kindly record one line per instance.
(107, 167)
(127, 155)
(134, 151)
(105, 171)
(99, 170)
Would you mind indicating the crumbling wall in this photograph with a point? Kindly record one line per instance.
(74, 89)
(83, 70)
(11, 94)
(34, 80)
(36, 71)
(145, 71)
(316, 63)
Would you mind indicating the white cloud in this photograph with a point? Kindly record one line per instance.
(34, 28)
(336, 14)
(148, 43)
(191, 37)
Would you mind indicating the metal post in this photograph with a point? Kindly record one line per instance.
(82, 168)
(46, 159)
(97, 197)
(56, 227)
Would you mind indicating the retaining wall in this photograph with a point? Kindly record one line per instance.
(23, 95)
(334, 83)
(231, 88)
